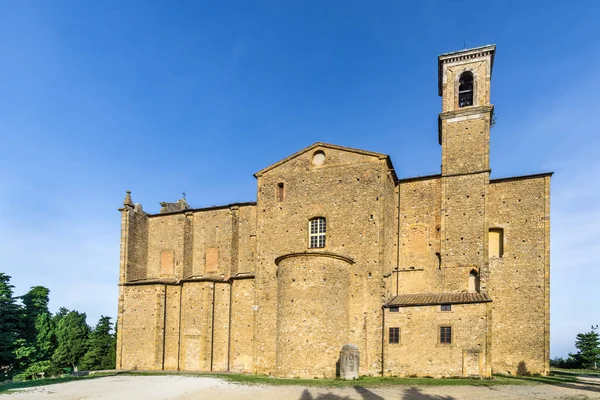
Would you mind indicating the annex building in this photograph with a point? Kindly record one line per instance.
(443, 275)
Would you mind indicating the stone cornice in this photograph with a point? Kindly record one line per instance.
(466, 111)
(316, 145)
(522, 177)
(461, 55)
(461, 112)
(314, 254)
(175, 282)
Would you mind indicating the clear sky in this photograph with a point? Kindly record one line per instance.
(99, 97)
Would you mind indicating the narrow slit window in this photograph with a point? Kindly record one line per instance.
(394, 309)
(445, 334)
(465, 89)
(496, 242)
(317, 232)
(280, 191)
(394, 335)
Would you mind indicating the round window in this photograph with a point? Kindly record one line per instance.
(318, 158)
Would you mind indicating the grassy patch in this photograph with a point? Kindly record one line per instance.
(6, 387)
(559, 378)
(563, 371)
(369, 381)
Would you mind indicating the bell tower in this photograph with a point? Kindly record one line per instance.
(464, 83)
(464, 133)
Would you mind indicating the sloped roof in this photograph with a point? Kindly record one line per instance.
(430, 299)
(330, 146)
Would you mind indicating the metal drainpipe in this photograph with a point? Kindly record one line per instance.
(398, 245)
(229, 324)
(164, 328)
(212, 331)
(382, 340)
(179, 336)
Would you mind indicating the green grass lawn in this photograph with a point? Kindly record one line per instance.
(562, 371)
(369, 381)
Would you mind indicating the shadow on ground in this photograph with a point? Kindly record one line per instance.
(563, 380)
(412, 393)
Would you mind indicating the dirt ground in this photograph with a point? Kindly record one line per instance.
(188, 388)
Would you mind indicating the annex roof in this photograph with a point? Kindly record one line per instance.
(431, 299)
(313, 146)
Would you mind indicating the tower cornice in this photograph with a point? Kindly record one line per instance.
(461, 55)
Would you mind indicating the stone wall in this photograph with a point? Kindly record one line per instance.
(312, 314)
(242, 326)
(419, 237)
(141, 327)
(179, 316)
(519, 280)
(463, 229)
(351, 191)
(165, 235)
(420, 352)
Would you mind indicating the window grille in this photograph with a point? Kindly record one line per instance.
(446, 307)
(317, 232)
(445, 334)
(394, 335)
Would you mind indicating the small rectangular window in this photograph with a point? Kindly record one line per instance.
(394, 335)
(280, 192)
(394, 309)
(446, 307)
(445, 334)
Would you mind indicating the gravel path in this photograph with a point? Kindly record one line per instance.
(195, 388)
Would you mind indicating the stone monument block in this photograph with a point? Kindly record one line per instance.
(349, 362)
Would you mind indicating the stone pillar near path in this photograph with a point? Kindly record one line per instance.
(349, 362)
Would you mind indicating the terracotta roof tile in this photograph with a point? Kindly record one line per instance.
(428, 299)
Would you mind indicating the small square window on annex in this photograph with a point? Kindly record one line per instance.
(394, 335)
(445, 335)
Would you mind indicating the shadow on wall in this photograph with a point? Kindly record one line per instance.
(522, 369)
(410, 394)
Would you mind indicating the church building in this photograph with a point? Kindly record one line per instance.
(441, 275)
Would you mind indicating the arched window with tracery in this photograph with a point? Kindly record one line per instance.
(465, 89)
(317, 232)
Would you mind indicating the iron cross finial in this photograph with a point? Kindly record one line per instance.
(183, 193)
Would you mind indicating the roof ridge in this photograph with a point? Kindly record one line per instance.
(326, 145)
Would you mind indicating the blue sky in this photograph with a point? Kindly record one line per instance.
(99, 97)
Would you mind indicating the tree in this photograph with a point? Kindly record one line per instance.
(45, 341)
(10, 327)
(35, 302)
(101, 347)
(588, 345)
(60, 314)
(72, 334)
(39, 362)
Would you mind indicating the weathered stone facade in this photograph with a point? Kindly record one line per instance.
(444, 275)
